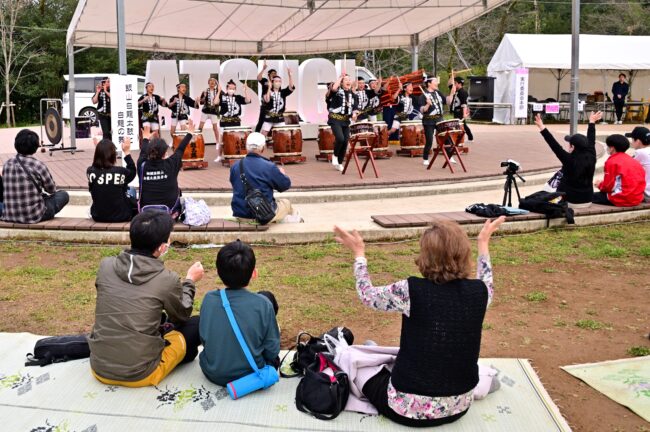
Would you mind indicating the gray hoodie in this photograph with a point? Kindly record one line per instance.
(132, 292)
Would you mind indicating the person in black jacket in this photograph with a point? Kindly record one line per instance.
(109, 184)
(578, 164)
(620, 89)
(159, 173)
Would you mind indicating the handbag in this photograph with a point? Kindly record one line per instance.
(321, 394)
(256, 201)
(259, 378)
(197, 213)
(58, 349)
(306, 351)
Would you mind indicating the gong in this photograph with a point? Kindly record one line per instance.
(53, 126)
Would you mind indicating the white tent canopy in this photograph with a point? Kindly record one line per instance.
(271, 27)
(548, 58)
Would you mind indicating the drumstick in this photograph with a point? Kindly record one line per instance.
(345, 57)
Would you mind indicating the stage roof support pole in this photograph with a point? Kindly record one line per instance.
(575, 65)
(121, 36)
(71, 95)
(415, 51)
(435, 56)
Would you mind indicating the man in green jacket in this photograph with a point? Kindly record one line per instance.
(128, 344)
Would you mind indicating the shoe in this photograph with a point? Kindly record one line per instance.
(452, 160)
(335, 160)
(218, 159)
(339, 167)
(425, 162)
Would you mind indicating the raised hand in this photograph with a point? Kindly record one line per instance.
(539, 122)
(126, 146)
(196, 272)
(595, 116)
(351, 240)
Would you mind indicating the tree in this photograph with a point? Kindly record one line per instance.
(17, 51)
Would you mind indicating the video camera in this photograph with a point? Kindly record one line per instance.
(512, 166)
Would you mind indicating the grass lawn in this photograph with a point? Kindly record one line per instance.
(561, 297)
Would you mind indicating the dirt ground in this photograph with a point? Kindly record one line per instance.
(561, 297)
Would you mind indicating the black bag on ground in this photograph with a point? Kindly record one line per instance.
(548, 204)
(257, 202)
(320, 394)
(307, 351)
(58, 349)
(487, 210)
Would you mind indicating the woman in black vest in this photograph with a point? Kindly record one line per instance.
(341, 104)
(109, 184)
(433, 379)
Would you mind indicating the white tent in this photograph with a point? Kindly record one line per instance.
(271, 27)
(548, 58)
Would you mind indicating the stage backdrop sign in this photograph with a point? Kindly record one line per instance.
(124, 110)
(521, 93)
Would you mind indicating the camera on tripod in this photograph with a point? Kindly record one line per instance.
(512, 166)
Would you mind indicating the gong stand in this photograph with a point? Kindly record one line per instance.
(52, 121)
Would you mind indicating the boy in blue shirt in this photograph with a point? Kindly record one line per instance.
(222, 359)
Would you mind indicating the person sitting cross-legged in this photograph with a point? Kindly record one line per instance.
(435, 376)
(260, 174)
(131, 343)
(30, 194)
(222, 359)
(624, 181)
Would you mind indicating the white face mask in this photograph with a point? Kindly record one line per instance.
(231, 92)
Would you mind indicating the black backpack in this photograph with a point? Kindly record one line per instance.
(542, 202)
(257, 202)
(320, 394)
(306, 351)
(58, 349)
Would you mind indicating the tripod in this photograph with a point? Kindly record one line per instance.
(511, 179)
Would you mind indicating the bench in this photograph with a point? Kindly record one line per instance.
(85, 224)
(464, 218)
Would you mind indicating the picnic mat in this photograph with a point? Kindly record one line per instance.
(626, 381)
(65, 397)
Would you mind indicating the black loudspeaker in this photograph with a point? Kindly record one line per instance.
(481, 89)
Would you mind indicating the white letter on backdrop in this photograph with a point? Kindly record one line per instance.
(311, 105)
(199, 72)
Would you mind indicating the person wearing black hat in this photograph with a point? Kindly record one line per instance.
(578, 164)
(624, 181)
(620, 90)
(641, 145)
(459, 107)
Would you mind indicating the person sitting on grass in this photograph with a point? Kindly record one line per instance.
(578, 163)
(222, 359)
(261, 174)
(159, 173)
(30, 194)
(624, 181)
(109, 184)
(641, 145)
(435, 374)
(130, 344)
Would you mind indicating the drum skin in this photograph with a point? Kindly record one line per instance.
(449, 125)
(194, 151)
(361, 128)
(287, 140)
(234, 142)
(291, 118)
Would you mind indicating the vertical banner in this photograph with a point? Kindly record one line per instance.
(124, 110)
(521, 93)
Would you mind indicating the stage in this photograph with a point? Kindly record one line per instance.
(493, 144)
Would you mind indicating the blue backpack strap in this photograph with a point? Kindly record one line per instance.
(235, 328)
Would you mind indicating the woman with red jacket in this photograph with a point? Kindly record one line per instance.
(624, 180)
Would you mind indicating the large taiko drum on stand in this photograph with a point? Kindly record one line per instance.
(380, 143)
(194, 154)
(361, 129)
(234, 144)
(287, 144)
(326, 142)
(455, 130)
(411, 138)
